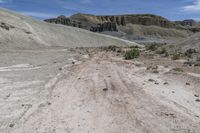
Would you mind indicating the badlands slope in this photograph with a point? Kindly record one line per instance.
(19, 31)
(191, 42)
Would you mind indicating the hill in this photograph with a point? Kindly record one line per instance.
(134, 27)
(191, 42)
(18, 31)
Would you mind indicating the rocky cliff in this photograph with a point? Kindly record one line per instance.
(131, 26)
(110, 23)
(95, 27)
(143, 19)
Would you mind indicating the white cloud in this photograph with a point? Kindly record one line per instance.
(2, 1)
(39, 14)
(195, 7)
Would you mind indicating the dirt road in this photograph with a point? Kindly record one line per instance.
(109, 95)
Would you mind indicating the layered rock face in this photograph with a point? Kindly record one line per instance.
(143, 19)
(107, 26)
(95, 27)
(59, 20)
(110, 23)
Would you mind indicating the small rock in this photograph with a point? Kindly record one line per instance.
(187, 83)
(11, 125)
(197, 100)
(173, 91)
(73, 62)
(151, 80)
(197, 116)
(156, 83)
(60, 69)
(196, 95)
(166, 83)
(105, 89)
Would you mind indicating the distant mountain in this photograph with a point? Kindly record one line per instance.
(188, 22)
(138, 27)
(87, 21)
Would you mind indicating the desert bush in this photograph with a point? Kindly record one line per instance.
(110, 48)
(176, 56)
(197, 64)
(131, 54)
(152, 47)
(134, 46)
(178, 69)
(189, 52)
(163, 51)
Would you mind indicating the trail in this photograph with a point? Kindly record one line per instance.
(107, 95)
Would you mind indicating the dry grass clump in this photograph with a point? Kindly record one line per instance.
(132, 54)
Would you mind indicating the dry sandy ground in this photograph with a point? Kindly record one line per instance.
(102, 94)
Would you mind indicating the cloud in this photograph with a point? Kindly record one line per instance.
(39, 14)
(195, 7)
(3, 1)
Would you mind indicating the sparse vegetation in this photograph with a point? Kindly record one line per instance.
(134, 46)
(190, 52)
(163, 51)
(110, 48)
(152, 47)
(178, 69)
(131, 54)
(176, 56)
(197, 64)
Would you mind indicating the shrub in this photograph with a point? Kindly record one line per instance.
(176, 56)
(153, 47)
(131, 54)
(197, 64)
(162, 51)
(178, 69)
(190, 52)
(134, 46)
(110, 48)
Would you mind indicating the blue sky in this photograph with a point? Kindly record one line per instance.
(41, 9)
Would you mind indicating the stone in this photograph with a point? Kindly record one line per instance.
(105, 89)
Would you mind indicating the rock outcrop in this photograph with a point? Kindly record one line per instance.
(143, 19)
(107, 26)
(110, 23)
(6, 26)
(59, 20)
(187, 22)
(132, 27)
(95, 27)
